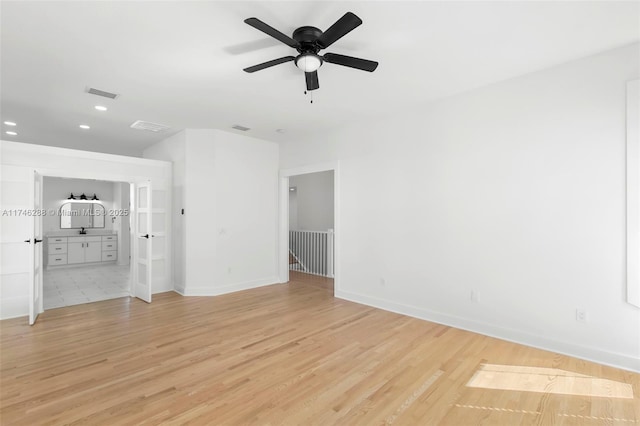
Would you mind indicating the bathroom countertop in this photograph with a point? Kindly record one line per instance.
(78, 234)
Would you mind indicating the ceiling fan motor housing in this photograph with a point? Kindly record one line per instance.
(307, 37)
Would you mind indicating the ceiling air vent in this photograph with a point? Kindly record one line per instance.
(241, 128)
(151, 127)
(102, 93)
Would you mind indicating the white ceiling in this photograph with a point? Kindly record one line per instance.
(180, 63)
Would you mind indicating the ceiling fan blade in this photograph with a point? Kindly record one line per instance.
(312, 80)
(351, 62)
(269, 30)
(269, 64)
(338, 30)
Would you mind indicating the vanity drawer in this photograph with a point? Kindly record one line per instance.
(97, 239)
(58, 248)
(109, 255)
(57, 240)
(109, 245)
(57, 259)
(109, 237)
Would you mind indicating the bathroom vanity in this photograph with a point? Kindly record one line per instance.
(75, 245)
(81, 249)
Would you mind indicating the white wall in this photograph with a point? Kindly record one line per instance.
(57, 190)
(314, 201)
(293, 208)
(52, 161)
(515, 191)
(230, 200)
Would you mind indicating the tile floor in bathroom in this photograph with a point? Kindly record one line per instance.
(84, 284)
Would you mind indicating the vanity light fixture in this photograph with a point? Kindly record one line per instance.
(9, 132)
(10, 123)
(83, 197)
(100, 108)
(84, 127)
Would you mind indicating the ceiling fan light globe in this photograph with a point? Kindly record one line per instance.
(308, 62)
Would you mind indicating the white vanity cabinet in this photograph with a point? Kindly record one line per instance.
(84, 249)
(57, 250)
(81, 249)
(75, 251)
(109, 248)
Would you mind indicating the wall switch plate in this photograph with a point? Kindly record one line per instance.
(474, 296)
(581, 315)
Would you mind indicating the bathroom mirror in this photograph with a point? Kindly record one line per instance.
(81, 215)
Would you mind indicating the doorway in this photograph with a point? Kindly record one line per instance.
(311, 223)
(24, 167)
(309, 226)
(87, 241)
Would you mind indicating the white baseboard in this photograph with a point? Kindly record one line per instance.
(162, 287)
(14, 307)
(179, 288)
(588, 353)
(216, 291)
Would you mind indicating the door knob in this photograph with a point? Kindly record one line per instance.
(145, 236)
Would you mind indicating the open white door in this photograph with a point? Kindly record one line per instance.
(35, 287)
(143, 242)
(18, 252)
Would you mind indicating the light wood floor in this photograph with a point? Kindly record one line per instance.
(288, 354)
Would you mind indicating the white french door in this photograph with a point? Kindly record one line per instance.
(143, 242)
(150, 240)
(20, 242)
(35, 289)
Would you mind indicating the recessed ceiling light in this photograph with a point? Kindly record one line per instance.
(9, 123)
(11, 133)
(84, 126)
(100, 108)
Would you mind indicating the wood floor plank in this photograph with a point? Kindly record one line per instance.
(287, 354)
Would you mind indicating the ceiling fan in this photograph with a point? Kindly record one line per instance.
(308, 41)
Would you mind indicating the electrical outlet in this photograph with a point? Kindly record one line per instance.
(229, 270)
(581, 315)
(474, 296)
(383, 283)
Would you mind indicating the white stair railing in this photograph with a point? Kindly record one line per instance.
(297, 265)
(313, 251)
